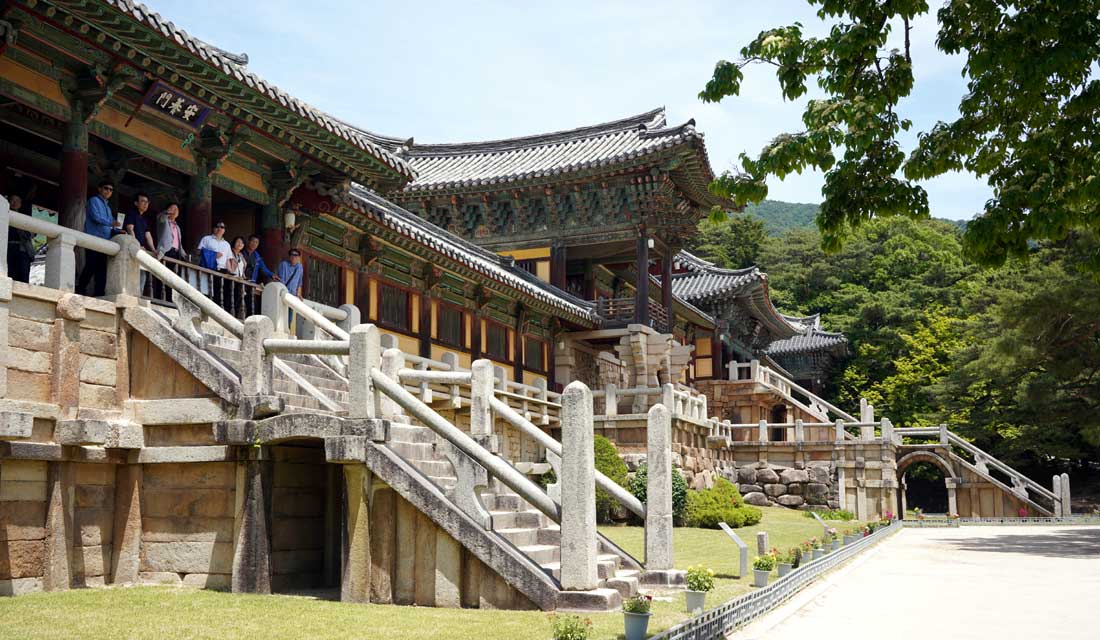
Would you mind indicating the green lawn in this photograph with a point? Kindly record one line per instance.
(159, 612)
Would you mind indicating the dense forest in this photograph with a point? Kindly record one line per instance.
(1008, 356)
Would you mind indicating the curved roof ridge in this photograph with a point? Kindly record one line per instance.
(648, 121)
(694, 263)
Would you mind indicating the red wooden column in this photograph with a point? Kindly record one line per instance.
(557, 265)
(74, 173)
(666, 285)
(425, 333)
(641, 296)
(517, 364)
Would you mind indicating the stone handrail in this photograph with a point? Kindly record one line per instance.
(763, 374)
(182, 288)
(726, 429)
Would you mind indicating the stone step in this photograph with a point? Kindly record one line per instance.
(504, 502)
(299, 401)
(509, 519)
(602, 599)
(542, 554)
(626, 581)
(550, 534)
(411, 433)
(520, 537)
(606, 567)
(434, 468)
(284, 384)
(321, 382)
(413, 451)
(443, 482)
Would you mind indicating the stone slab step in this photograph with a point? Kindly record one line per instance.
(410, 433)
(434, 468)
(506, 502)
(542, 554)
(602, 599)
(519, 537)
(627, 583)
(606, 567)
(413, 451)
(508, 519)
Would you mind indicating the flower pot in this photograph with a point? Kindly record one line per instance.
(635, 625)
(783, 568)
(850, 539)
(760, 578)
(834, 545)
(818, 553)
(696, 601)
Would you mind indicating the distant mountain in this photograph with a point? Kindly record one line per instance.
(779, 217)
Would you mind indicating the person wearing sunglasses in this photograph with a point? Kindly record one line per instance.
(214, 253)
(101, 223)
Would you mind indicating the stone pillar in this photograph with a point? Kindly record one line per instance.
(355, 574)
(393, 360)
(126, 546)
(364, 354)
(353, 318)
(273, 305)
(1066, 510)
(839, 430)
(482, 380)
(61, 500)
(123, 271)
(762, 431)
(658, 506)
(887, 431)
(252, 546)
(952, 498)
(1056, 489)
(762, 547)
(61, 263)
(841, 493)
(578, 495)
(256, 365)
(943, 435)
(641, 291)
(799, 431)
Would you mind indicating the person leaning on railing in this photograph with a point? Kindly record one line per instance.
(214, 253)
(99, 222)
(256, 269)
(136, 225)
(169, 244)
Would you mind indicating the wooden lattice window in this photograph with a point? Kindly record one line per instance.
(393, 307)
(496, 341)
(534, 354)
(449, 325)
(324, 283)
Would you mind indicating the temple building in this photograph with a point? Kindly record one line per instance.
(381, 431)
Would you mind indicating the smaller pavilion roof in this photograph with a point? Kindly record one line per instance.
(811, 338)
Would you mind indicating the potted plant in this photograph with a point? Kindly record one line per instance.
(806, 549)
(834, 543)
(786, 561)
(917, 512)
(700, 580)
(636, 616)
(796, 556)
(851, 534)
(818, 549)
(761, 568)
(570, 627)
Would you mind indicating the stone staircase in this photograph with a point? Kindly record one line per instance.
(519, 523)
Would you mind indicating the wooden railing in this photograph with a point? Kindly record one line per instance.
(617, 312)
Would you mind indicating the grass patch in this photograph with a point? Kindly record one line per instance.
(159, 612)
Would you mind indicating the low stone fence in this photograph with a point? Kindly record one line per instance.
(724, 618)
(1013, 522)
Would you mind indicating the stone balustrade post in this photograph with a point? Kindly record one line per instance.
(544, 396)
(762, 547)
(754, 370)
(61, 263)
(123, 270)
(256, 364)
(451, 359)
(731, 370)
(1066, 509)
(658, 506)
(578, 499)
(352, 319)
(1056, 489)
(668, 397)
(943, 435)
(887, 431)
(799, 431)
(364, 354)
(273, 305)
(482, 381)
(839, 430)
(703, 407)
(762, 431)
(610, 400)
(393, 360)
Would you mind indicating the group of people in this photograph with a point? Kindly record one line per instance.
(161, 236)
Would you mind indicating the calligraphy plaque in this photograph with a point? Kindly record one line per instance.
(176, 105)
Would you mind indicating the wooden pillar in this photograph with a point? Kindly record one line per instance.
(557, 266)
(517, 361)
(475, 335)
(666, 285)
(272, 239)
(641, 295)
(717, 356)
(425, 333)
(74, 172)
(198, 219)
(589, 281)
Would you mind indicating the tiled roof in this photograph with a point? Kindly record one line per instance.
(811, 340)
(485, 262)
(232, 66)
(501, 162)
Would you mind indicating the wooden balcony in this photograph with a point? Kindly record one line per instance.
(620, 312)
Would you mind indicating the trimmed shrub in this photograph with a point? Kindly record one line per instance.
(637, 487)
(611, 465)
(721, 503)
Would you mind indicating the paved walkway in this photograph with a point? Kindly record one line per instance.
(972, 582)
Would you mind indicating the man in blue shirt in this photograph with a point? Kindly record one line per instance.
(290, 272)
(255, 270)
(99, 222)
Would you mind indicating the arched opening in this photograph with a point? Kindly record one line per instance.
(778, 416)
(924, 487)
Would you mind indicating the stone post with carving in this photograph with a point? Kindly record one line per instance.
(578, 494)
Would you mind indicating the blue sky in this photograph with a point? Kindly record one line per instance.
(461, 71)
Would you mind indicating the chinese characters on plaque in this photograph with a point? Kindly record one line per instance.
(176, 105)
